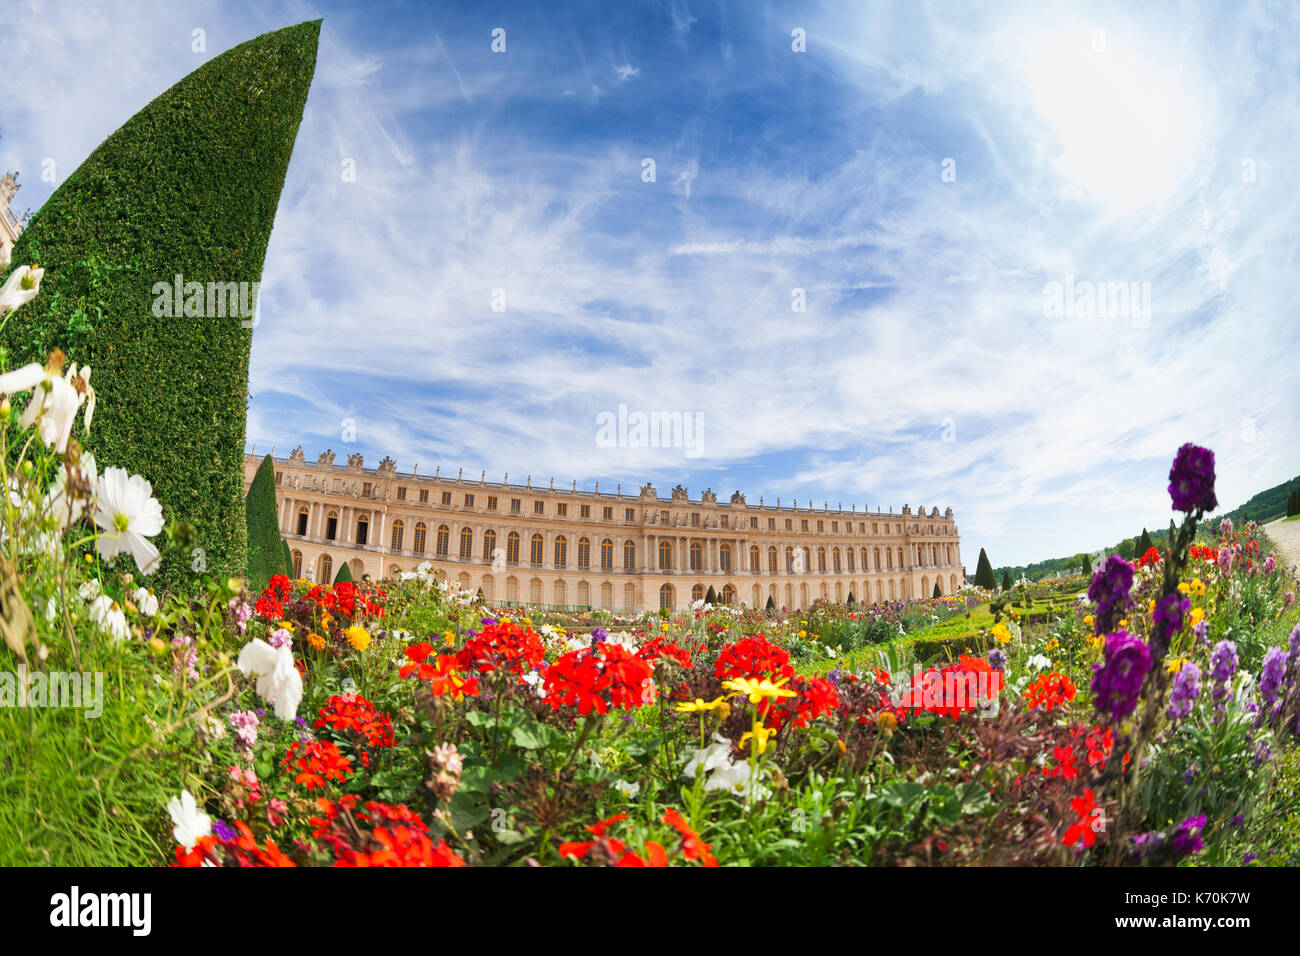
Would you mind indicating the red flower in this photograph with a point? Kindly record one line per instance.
(502, 647)
(1065, 766)
(599, 677)
(318, 762)
(1050, 691)
(693, 848)
(353, 714)
(752, 657)
(1085, 827)
(817, 697)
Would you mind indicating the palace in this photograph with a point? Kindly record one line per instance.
(569, 548)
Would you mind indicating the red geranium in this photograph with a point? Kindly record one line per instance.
(317, 762)
(502, 647)
(599, 677)
(753, 657)
(1050, 691)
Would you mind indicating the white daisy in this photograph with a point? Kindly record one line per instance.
(127, 515)
(191, 823)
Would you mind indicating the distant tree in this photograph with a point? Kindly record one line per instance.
(1006, 580)
(479, 596)
(984, 572)
(771, 604)
(1085, 565)
(261, 516)
(711, 597)
(1144, 543)
(937, 592)
(1127, 549)
(345, 573)
(850, 602)
(288, 558)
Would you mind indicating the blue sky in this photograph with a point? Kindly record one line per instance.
(1093, 144)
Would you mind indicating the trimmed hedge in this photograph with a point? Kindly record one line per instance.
(188, 186)
(345, 573)
(266, 549)
(940, 646)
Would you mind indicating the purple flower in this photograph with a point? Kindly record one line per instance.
(997, 659)
(1269, 564)
(1186, 689)
(1225, 528)
(1225, 560)
(1223, 664)
(597, 635)
(224, 831)
(1169, 615)
(1110, 588)
(1271, 676)
(1117, 682)
(1191, 479)
(1187, 838)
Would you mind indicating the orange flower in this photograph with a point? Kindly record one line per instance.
(693, 848)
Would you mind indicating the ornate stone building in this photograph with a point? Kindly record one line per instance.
(539, 544)
(10, 225)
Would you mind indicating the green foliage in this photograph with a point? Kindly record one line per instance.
(188, 186)
(1144, 543)
(344, 573)
(1006, 580)
(984, 572)
(288, 557)
(771, 603)
(711, 597)
(266, 549)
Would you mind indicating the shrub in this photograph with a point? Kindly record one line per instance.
(984, 572)
(188, 186)
(344, 573)
(266, 549)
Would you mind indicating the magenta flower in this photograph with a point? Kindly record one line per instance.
(1110, 588)
(1117, 682)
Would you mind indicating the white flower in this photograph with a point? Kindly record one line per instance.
(1038, 662)
(89, 590)
(716, 755)
(22, 287)
(535, 680)
(54, 402)
(191, 823)
(51, 610)
(629, 790)
(69, 510)
(127, 515)
(146, 601)
(106, 613)
(278, 681)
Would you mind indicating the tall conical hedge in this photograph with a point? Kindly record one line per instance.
(265, 546)
(344, 573)
(1006, 580)
(288, 558)
(984, 572)
(187, 187)
(1144, 544)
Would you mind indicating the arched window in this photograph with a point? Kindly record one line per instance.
(697, 593)
(728, 594)
(629, 556)
(398, 528)
(303, 514)
(489, 588)
(665, 561)
(584, 555)
(789, 559)
(607, 555)
(561, 553)
(466, 544)
(606, 595)
(326, 569)
(666, 596)
(629, 597)
(789, 596)
(512, 550)
(753, 559)
(489, 545)
(771, 559)
(332, 525)
(512, 590)
(297, 564)
(850, 555)
(535, 554)
(561, 595)
(889, 559)
(443, 541)
(724, 557)
(803, 596)
(821, 560)
(534, 591)
(363, 529)
(417, 545)
(584, 594)
(697, 556)
(463, 580)
(807, 563)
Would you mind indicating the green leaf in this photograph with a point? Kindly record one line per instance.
(902, 794)
(533, 736)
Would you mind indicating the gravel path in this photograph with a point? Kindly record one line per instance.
(1285, 536)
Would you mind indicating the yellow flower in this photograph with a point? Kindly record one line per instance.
(357, 637)
(760, 733)
(1183, 587)
(1087, 619)
(315, 642)
(1175, 664)
(803, 633)
(449, 638)
(702, 705)
(287, 625)
(1001, 633)
(1198, 587)
(887, 720)
(757, 690)
(528, 622)
(326, 618)
(1151, 607)
(1198, 615)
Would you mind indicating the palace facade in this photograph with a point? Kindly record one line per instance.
(522, 543)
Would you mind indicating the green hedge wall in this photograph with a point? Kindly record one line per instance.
(188, 186)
